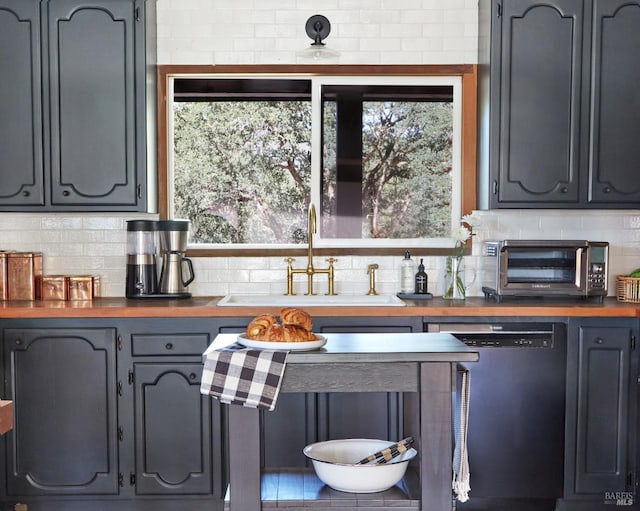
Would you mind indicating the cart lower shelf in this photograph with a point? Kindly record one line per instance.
(301, 490)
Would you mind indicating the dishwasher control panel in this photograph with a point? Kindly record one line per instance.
(501, 335)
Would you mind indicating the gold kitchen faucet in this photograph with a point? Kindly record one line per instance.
(310, 270)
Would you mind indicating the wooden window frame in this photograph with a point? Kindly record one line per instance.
(467, 72)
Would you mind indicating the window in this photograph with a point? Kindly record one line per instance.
(381, 155)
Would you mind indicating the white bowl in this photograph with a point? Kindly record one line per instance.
(335, 463)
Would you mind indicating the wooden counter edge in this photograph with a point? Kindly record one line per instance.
(204, 307)
(6, 416)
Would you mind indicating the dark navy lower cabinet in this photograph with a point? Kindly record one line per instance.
(109, 416)
(173, 430)
(177, 432)
(63, 384)
(601, 419)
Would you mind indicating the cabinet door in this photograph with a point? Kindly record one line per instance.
(173, 430)
(615, 103)
(599, 407)
(21, 138)
(63, 385)
(536, 90)
(92, 87)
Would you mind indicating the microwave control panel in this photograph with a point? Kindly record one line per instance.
(597, 276)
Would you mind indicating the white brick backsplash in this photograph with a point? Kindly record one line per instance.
(61, 222)
(102, 222)
(273, 31)
(101, 250)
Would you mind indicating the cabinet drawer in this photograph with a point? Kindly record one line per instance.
(169, 344)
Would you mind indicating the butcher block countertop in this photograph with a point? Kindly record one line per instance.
(206, 307)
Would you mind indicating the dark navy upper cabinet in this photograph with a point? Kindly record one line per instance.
(614, 104)
(21, 137)
(93, 85)
(563, 102)
(81, 131)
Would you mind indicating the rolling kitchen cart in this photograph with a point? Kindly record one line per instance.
(421, 364)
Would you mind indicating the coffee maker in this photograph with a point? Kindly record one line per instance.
(152, 244)
(174, 280)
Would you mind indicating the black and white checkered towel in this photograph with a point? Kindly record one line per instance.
(239, 375)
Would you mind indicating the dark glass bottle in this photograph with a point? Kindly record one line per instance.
(421, 280)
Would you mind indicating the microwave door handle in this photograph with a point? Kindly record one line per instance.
(580, 262)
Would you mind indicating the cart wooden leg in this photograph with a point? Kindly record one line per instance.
(244, 453)
(436, 452)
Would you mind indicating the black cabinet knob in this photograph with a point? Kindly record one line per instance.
(607, 189)
(66, 193)
(26, 193)
(564, 189)
(169, 346)
(192, 376)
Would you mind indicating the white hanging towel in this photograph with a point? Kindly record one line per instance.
(460, 484)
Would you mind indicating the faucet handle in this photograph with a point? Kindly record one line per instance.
(289, 260)
(371, 270)
(331, 260)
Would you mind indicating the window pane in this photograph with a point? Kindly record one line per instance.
(242, 169)
(387, 162)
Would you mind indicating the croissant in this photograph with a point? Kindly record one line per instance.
(275, 333)
(296, 327)
(286, 333)
(291, 316)
(297, 333)
(257, 327)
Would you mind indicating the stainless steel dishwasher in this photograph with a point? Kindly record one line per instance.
(516, 413)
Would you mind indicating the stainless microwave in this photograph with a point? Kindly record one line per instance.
(540, 268)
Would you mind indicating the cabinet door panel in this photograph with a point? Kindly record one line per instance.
(92, 85)
(21, 137)
(62, 382)
(539, 101)
(173, 430)
(602, 430)
(615, 102)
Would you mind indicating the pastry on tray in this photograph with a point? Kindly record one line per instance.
(259, 325)
(292, 316)
(295, 326)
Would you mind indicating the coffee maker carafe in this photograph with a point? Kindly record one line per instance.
(152, 244)
(142, 273)
(177, 270)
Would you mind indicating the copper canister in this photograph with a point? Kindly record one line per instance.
(24, 275)
(55, 287)
(4, 288)
(80, 287)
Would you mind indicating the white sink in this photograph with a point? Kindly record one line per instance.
(311, 301)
